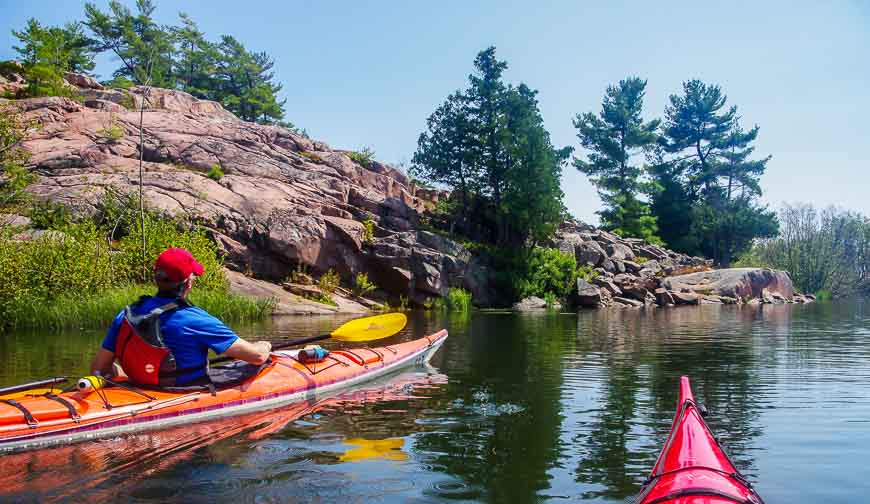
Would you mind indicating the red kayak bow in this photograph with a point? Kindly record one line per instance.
(692, 468)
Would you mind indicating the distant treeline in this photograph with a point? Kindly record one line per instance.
(166, 56)
(825, 251)
(688, 181)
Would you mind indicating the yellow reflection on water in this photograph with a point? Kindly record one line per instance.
(388, 449)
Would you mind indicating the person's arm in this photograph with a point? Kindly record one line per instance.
(105, 357)
(254, 353)
(102, 363)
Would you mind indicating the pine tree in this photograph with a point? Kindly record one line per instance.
(445, 153)
(533, 194)
(197, 58)
(614, 137)
(145, 48)
(246, 84)
(47, 52)
(710, 167)
(489, 143)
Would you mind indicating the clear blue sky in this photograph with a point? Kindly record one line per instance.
(361, 74)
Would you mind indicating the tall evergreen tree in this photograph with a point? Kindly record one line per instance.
(614, 138)
(46, 52)
(196, 59)
(533, 193)
(445, 153)
(710, 167)
(246, 83)
(144, 47)
(489, 143)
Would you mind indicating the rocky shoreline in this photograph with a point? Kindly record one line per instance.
(286, 203)
(631, 273)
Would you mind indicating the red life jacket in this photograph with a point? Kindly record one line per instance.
(140, 348)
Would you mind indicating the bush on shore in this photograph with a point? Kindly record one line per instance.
(82, 273)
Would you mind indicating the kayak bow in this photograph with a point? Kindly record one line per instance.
(50, 418)
(692, 468)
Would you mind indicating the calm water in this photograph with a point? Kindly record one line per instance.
(513, 409)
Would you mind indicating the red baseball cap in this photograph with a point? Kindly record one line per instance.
(177, 264)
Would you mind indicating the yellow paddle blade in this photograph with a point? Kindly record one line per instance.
(389, 449)
(371, 328)
(29, 392)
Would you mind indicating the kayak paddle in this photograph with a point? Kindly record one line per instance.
(355, 331)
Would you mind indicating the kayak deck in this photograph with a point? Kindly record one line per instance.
(692, 467)
(28, 421)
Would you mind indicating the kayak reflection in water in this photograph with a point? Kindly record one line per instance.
(163, 340)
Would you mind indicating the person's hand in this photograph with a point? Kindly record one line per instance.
(264, 346)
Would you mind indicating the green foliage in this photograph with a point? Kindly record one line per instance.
(46, 52)
(216, 172)
(458, 300)
(824, 295)
(329, 282)
(14, 177)
(181, 57)
(368, 231)
(300, 275)
(488, 144)
(613, 139)
(586, 273)
(827, 250)
(547, 271)
(363, 157)
(551, 300)
(403, 303)
(143, 47)
(111, 133)
(90, 260)
(705, 186)
(121, 82)
(428, 304)
(362, 285)
(49, 215)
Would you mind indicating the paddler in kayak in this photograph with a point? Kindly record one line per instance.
(163, 340)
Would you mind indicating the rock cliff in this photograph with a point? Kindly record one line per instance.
(286, 203)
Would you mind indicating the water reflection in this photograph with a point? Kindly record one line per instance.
(536, 408)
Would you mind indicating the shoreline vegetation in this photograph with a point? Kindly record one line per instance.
(80, 274)
(688, 181)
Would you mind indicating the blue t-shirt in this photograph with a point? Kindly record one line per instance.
(188, 332)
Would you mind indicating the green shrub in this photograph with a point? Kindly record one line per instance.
(300, 275)
(458, 300)
(49, 215)
(111, 133)
(216, 172)
(92, 259)
(368, 231)
(403, 302)
(428, 304)
(362, 285)
(824, 295)
(587, 273)
(363, 157)
(328, 282)
(322, 299)
(547, 271)
(119, 82)
(551, 300)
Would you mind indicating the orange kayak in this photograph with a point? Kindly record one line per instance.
(34, 420)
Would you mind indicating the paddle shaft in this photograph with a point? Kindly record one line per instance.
(285, 344)
(32, 385)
